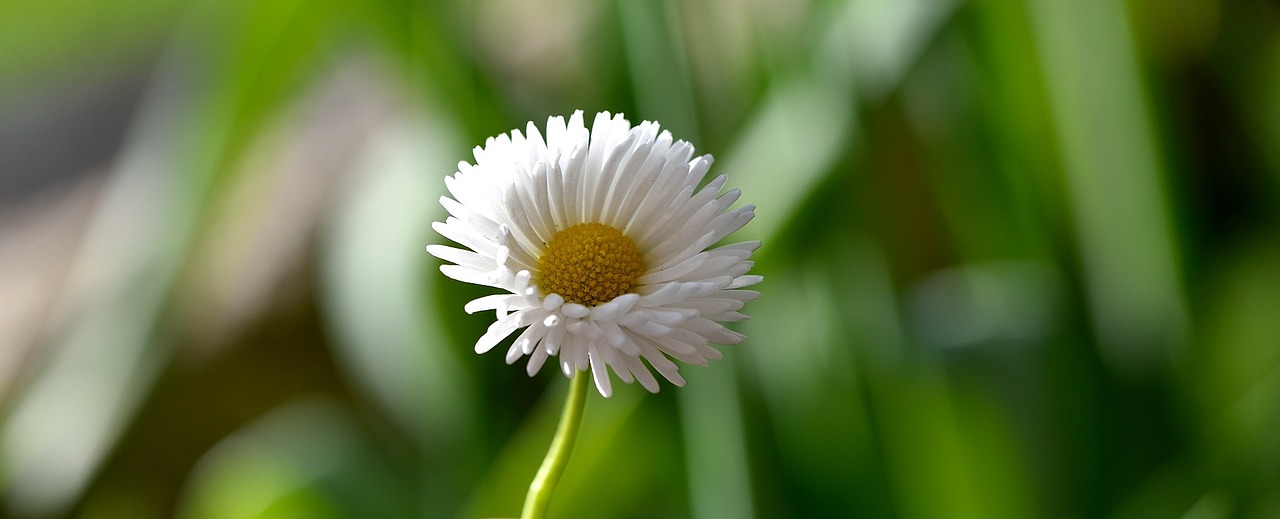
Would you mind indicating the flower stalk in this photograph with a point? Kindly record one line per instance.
(544, 483)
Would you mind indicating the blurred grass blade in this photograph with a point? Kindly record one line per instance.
(389, 329)
(654, 44)
(808, 118)
(884, 38)
(1115, 181)
(110, 351)
(378, 292)
(105, 356)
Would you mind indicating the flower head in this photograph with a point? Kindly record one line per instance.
(599, 240)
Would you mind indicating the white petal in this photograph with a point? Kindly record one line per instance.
(644, 180)
(601, 374)
(497, 331)
(679, 291)
(491, 302)
(674, 272)
(741, 295)
(726, 336)
(650, 329)
(555, 196)
(463, 258)
(615, 308)
(624, 179)
(732, 221)
(578, 328)
(553, 302)
(573, 180)
(531, 197)
(467, 274)
(579, 351)
(664, 367)
(465, 236)
(528, 341)
(708, 352)
(554, 339)
(650, 230)
(677, 348)
(642, 374)
(669, 316)
(536, 360)
(513, 353)
(617, 338)
(650, 214)
(716, 266)
(746, 281)
(529, 246)
(557, 134)
(620, 369)
(607, 176)
(575, 310)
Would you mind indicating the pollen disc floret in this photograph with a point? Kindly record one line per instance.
(589, 264)
(601, 243)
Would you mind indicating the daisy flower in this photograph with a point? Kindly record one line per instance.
(599, 241)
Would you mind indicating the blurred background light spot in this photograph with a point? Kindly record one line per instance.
(992, 302)
(273, 468)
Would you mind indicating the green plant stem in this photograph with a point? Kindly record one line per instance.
(544, 483)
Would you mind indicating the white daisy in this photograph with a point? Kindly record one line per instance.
(599, 239)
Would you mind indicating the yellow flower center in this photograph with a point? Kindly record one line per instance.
(589, 264)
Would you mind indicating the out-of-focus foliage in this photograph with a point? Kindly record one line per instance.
(1021, 258)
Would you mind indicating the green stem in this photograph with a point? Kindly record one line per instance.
(544, 484)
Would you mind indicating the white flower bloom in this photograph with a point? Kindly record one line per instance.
(599, 240)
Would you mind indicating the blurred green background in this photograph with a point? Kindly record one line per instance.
(1021, 258)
